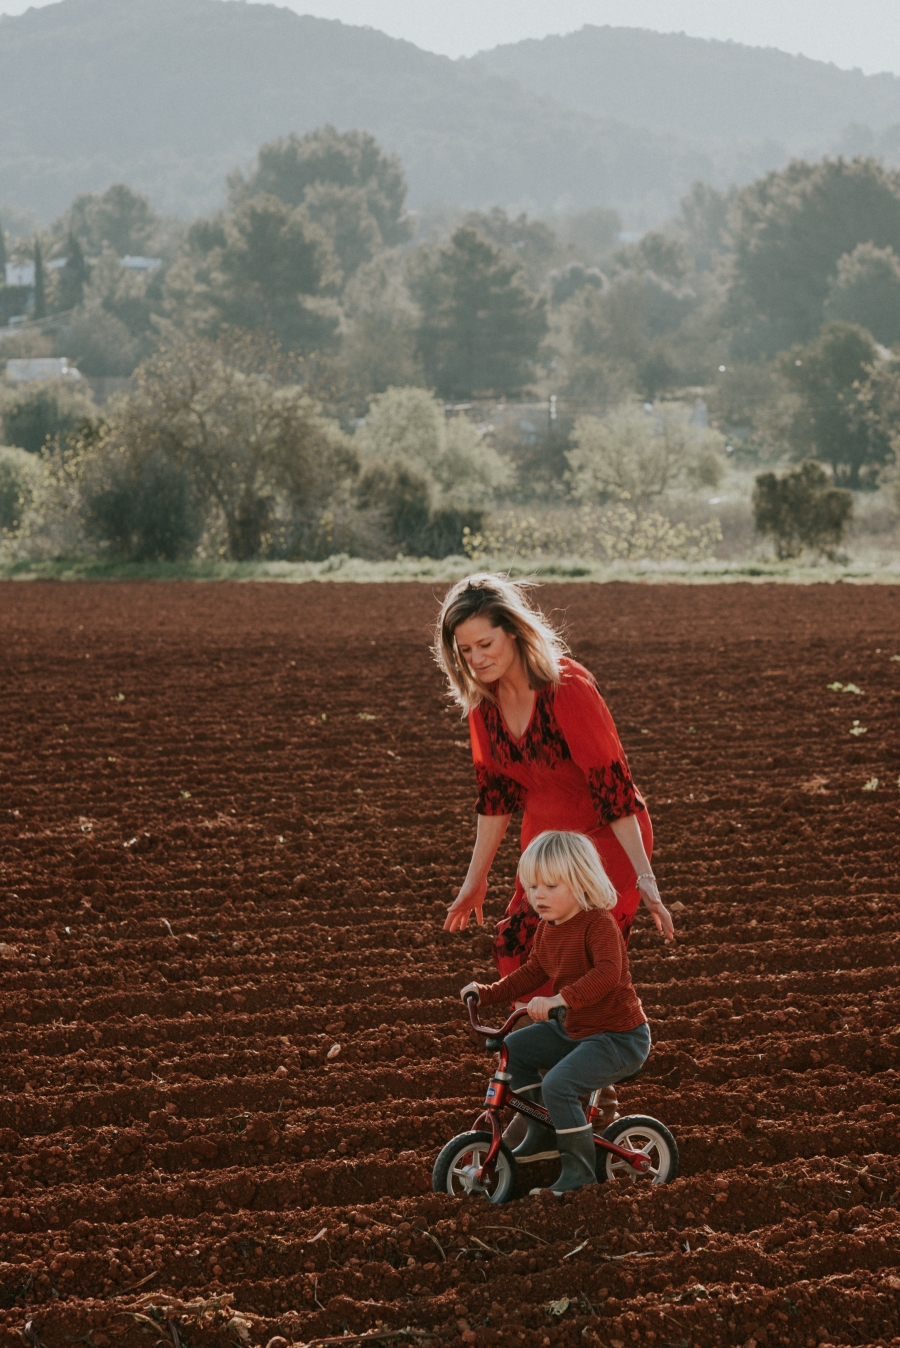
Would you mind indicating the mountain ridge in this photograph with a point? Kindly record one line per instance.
(633, 67)
(170, 95)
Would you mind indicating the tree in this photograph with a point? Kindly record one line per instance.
(481, 326)
(593, 233)
(660, 254)
(343, 215)
(378, 349)
(33, 414)
(801, 510)
(826, 419)
(532, 241)
(431, 476)
(865, 289)
(74, 276)
(265, 266)
(288, 168)
(623, 339)
(574, 277)
(3, 257)
(17, 474)
(222, 412)
(633, 455)
(40, 282)
(789, 231)
(118, 218)
(702, 224)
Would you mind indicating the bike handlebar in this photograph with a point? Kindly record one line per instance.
(556, 1013)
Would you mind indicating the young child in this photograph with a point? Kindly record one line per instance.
(579, 948)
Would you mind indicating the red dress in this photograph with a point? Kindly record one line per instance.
(569, 772)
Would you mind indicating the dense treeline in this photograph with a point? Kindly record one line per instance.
(292, 357)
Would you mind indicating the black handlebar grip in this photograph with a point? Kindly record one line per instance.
(558, 1013)
(471, 996)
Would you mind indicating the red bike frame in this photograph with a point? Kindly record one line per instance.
(499, 1095)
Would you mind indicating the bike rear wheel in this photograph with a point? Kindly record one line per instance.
(456, 1169)
(645, 1135)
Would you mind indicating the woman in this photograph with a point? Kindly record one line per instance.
(543, 741)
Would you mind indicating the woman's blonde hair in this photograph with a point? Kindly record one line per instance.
(572, 859)
(505, 603)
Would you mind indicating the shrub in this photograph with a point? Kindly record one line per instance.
(17, 470)
(801, 510)
(430, 477)
(612, 535)
(32, 414)
(139, 507)
(633, 455)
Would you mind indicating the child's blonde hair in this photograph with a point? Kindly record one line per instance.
(571, 859)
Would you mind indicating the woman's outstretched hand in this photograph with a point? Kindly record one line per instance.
(469, 899)
(658, 911)
(469, 988)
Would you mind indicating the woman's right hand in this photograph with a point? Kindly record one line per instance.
(469, 988)
(470, 897)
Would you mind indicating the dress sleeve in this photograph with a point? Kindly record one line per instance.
(585, 721)
(497, 794)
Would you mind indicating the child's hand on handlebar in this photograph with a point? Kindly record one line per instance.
(468, 990)
(539, 1008)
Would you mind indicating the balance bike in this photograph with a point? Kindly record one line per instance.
(479, 1162)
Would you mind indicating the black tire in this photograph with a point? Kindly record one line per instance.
(639, 1133)
(462, 1157)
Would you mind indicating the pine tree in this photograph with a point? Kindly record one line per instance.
(74, 275)
(481, 325)
(40, 288)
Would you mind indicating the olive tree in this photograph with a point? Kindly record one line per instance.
(634, 454)
(431, 475)
(227, 415)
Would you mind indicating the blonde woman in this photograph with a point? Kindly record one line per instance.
(543, 742)
(579, 949)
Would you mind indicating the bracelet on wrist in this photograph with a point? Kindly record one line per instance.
(647, 875)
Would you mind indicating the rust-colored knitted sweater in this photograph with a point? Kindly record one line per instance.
(586, 960)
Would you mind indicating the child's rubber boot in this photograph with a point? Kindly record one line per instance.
(579, 1163)
(539, 1142)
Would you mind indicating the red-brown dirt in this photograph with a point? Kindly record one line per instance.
(231, 818)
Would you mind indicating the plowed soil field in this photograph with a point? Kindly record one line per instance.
(231, 817)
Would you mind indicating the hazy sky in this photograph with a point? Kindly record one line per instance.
(864, 33)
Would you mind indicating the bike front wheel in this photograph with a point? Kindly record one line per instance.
(645, 1135)
(456, 1169)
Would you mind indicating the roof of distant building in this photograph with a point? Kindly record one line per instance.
(40, 368)
(141, 263)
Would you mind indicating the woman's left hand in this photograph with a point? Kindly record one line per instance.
(649, 893)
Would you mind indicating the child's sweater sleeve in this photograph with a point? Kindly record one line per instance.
(526, 978)
(605, 951)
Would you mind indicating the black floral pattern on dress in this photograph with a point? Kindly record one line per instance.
(613, 792)
(496, 794)
(543, 741)
(515, 935)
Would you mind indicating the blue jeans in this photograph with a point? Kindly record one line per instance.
(576, 1066)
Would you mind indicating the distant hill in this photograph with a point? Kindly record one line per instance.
(169, 95)
(698, 88)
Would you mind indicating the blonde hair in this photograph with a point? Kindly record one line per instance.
(505, 603)
(569, 858)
